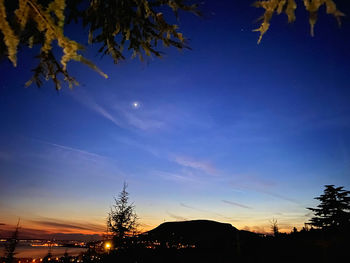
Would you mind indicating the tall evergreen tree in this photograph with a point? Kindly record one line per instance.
(122, 219)
(333, 212)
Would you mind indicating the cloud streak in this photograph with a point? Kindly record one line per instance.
(177, 177)
(75, 158)
(177, 217)
(91, 104)
(140, 121)
(236, 204)
(262, 186)
(286, 198)
(195, 164)
(60, 225)
(33, 233)
(124, 115)
(75, 150)
(204, 211)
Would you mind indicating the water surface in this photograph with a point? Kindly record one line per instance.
(40, 252)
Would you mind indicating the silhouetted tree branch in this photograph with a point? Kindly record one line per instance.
(116, 26)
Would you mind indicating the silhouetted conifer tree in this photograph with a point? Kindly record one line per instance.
(122, 218)
(333, 212)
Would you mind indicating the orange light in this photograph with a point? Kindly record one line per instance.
(108, 245)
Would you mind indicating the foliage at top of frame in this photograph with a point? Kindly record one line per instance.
(136, 25)
(288, 7)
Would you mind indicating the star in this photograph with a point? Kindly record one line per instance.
(136, 105)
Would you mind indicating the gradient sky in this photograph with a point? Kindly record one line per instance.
(230, 131)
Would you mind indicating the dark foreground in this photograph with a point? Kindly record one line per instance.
(208, 241)
(298, 247)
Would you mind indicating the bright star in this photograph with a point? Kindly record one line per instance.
(136, 105)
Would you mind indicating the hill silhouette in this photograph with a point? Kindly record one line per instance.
(199, 233)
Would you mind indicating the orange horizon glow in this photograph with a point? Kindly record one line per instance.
(33, 230)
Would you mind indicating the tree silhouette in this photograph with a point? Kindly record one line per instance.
(274, 227)
(66, 258)
(48, 256)
(122, 219)
(11, 244)
(333, 212)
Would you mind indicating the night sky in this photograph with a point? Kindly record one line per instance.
(229, 131)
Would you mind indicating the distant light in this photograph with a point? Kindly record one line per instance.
(136, 104)
(108, 245)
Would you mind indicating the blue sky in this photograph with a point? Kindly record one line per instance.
(230, 130)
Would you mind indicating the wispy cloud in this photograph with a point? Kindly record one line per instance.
(260, 185)
(178, 177)
(236, 204)
(142, 146)
(75, 150)
(283, 197)
(68, 226)
(73, 158)
(204, 166)
(204, 211)
(196, 209)
(183, 161)
(104, 113)
(260, 189)
(123, 115)
(191, 207)
(91, 104)
(72, 155)
(141, 119)
(177, 217)
(34, 233)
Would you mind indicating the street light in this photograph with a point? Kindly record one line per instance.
(108, 246)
